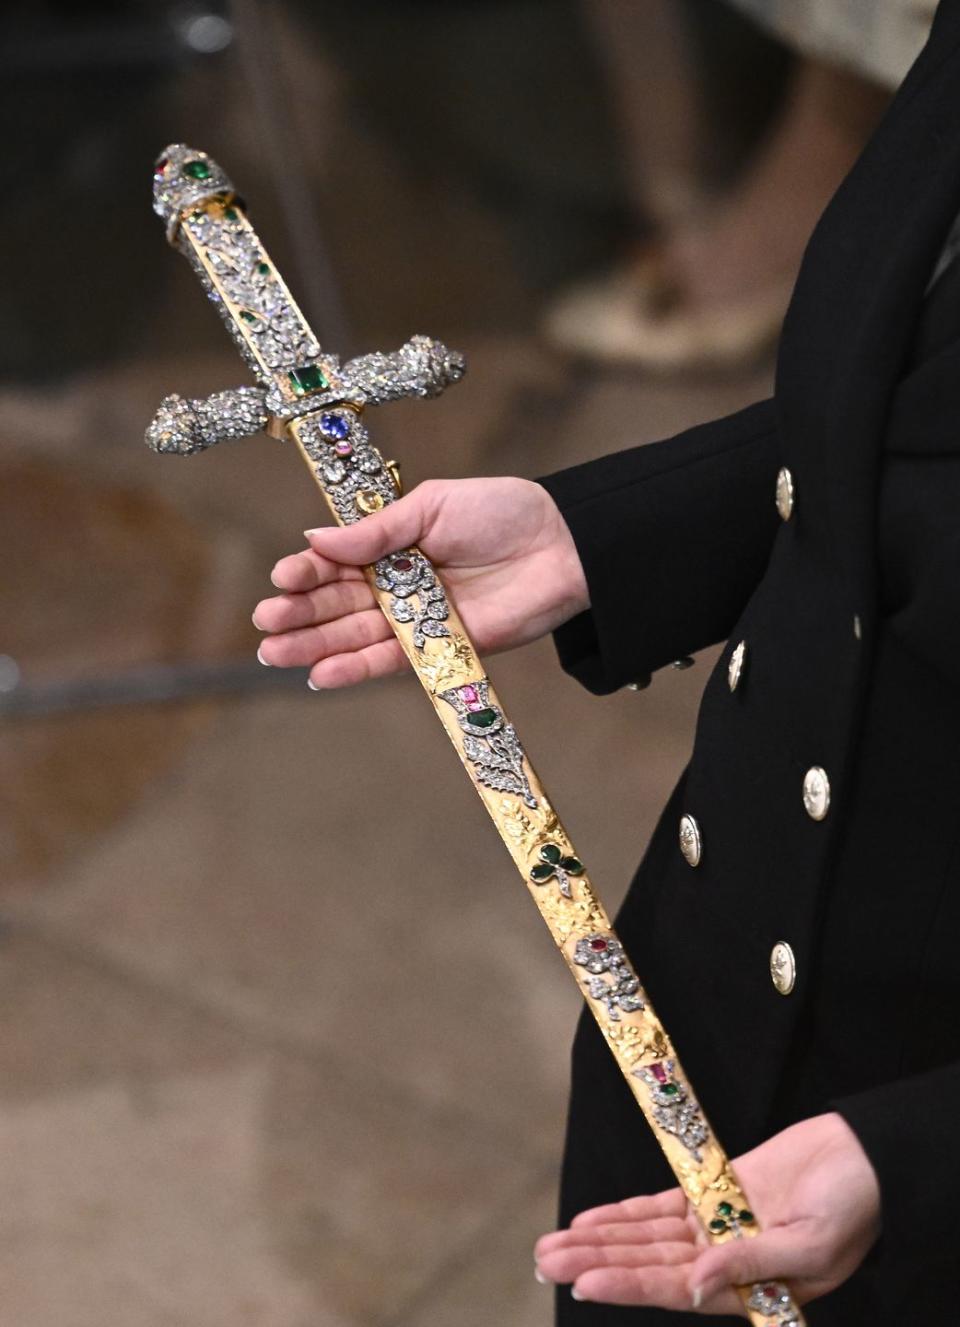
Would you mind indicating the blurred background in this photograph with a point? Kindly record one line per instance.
(282, 1041)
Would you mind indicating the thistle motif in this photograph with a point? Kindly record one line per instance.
(490, 741)
(675, 1110)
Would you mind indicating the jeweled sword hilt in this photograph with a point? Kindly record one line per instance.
(305, 396)
(206, 221)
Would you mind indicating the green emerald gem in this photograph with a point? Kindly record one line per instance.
(669, 1089)
(197, 169)
(718, 1227)
(482, 718)
(572, 865)
(724, 1209)
(746, 1218)
(311, 378)
(541, 874)
(550, 853)
(231, 213)
(263, 268)
(248, 317)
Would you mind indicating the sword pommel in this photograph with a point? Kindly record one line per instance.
(185, 178)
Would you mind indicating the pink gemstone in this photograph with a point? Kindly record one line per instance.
(343, 448)
(474, 705)
(469, 694)
(659, 1073)
(599, 945)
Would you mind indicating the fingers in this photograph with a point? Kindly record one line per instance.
(299, 649)
(289, 612)
(565, 1265)
(307, 570)
(345, 670)
(779, 1252)
(656, 1230)
(664, 1287)
(670, 1202)
(399, 525)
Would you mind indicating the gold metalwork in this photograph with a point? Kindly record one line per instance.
(637, 1039)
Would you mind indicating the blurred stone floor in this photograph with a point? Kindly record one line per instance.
(281, 1041)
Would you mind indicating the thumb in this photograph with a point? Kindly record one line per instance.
(780, 1252)
(397, 526)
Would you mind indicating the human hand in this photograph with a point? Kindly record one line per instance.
(501, 546)
(814, 1192)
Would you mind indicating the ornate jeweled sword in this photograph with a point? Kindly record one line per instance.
(307, 396)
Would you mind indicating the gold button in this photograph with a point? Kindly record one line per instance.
(816, 793)
(783, 967)
(735, 666)
(785, 494)
(691, 844)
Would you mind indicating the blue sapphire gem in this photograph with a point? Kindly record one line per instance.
(334, 427)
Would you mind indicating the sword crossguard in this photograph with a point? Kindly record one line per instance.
(422, 367)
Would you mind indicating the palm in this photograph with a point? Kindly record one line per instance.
(811, 1185)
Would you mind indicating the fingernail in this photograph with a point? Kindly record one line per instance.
(312, 685)
(274, 581)
(698, 1297)
(544, 1280)
(263, 660)
(575, 1293)
(308, 533)
(253, 619)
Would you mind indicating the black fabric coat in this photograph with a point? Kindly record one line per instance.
(683, 547)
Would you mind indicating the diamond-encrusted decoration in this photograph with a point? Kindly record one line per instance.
(555, 865)
(490, 741)
(185, 426)
(351, 471)
(418, 596)
(675, 1110)
(603, 957)
(423, 367)
(776, 1303)
(184, 178)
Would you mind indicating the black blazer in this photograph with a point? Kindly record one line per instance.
(851, 614)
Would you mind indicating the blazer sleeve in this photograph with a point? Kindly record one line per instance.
(674, 537)
(908, 1129)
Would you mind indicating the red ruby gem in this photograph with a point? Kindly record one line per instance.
(659, 1073)
(160, 167)
(771, 1291)
(599, 945)
(402, 564)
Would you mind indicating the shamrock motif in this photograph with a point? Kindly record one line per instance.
(553, 864)
(728, 1218)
